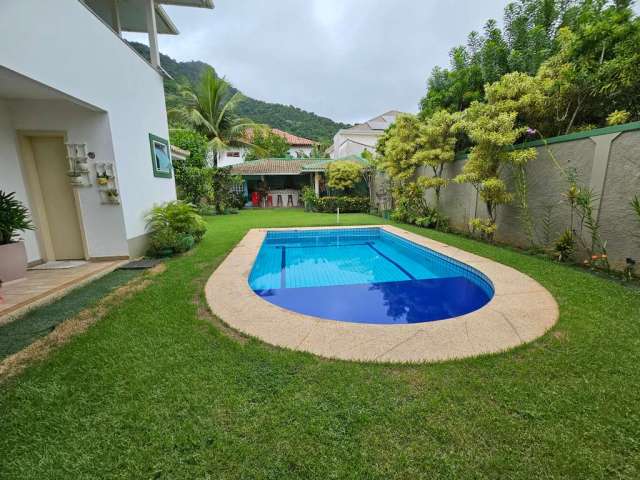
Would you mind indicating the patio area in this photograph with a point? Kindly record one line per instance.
(43, 286)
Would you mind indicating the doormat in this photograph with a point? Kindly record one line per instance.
(59, 265)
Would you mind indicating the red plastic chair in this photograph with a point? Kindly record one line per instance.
(270, 201)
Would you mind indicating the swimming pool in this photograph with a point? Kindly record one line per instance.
(364, 275)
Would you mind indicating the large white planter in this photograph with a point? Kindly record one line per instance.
(13, 261)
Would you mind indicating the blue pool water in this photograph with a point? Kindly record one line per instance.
(364, 275)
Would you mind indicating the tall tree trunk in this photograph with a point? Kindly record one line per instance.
(573, 117)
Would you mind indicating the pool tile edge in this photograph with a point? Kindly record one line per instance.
(520, 311)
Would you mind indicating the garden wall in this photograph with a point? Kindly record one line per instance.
(606, 159)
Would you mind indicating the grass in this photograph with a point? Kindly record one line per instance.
(14, 336)
(157, 390)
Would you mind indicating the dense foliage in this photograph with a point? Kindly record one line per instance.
(267, 144)
(343, 175)
(223, 195)
(174, 228)
(285, 117)
(586, 50)
(212, 189)
(351, 204)
(408, 146)
(193, 180)
(14, 217)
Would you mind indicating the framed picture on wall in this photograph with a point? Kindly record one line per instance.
(160, 156)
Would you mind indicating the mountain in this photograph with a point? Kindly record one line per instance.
(284, 117)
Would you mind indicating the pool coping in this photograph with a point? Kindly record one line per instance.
(520, 311)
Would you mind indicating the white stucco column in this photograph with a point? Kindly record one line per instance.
(152, 28)
(115, 12)
(317, 183)
(599, 168)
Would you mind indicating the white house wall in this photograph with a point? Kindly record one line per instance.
(63, 45)
(226, 161)
(11, 179)
(345, 144)
(103, 224)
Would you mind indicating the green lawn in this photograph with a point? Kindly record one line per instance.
(156, 391)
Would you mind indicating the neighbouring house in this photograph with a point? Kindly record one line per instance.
(83, 126)
(299, 148)
(361, 137)
(282, 179)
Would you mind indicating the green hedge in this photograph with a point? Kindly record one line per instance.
(345, 204)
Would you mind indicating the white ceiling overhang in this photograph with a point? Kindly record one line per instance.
(132, 17)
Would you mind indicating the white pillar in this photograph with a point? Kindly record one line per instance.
(599, 168)
(154, 53)
(117, 26)
(317, 183)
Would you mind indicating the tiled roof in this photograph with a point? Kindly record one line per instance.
(320, 165)
(294, 140)
(270, 166)
(287, 166)
(291, 139)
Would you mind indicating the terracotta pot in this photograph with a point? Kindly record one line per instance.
(13, 261)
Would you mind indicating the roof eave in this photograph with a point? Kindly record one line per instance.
(192, 3)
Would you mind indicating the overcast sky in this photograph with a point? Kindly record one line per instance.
(349, 60)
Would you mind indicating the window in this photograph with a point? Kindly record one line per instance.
(160, 156)
(233, 154)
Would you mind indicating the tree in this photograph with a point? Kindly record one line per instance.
(529, 38)
(193, 178)
(494, 127)
(595, 70)
(343, 175)
(401, 158)
(222, 182)
(209, 109)
(193, 142)
(397, 148)
(437, 142)
(267, 144)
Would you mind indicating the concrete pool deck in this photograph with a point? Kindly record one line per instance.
(520, 311)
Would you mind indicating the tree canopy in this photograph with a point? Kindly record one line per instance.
(209, 108)
(585, 51)
(267, 144)
(343, 175)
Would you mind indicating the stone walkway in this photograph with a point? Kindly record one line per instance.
(520, 311)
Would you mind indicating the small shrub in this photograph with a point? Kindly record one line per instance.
(236, 201)
(14, 217)
(184, 243)
(309, 198)
(618, 117)
(565, 246)
(174, 226)
(206, 210)
(345, 204)
(485, 226)
(343, 175)
(163, 243)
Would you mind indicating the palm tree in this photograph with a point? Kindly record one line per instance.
(208, 107)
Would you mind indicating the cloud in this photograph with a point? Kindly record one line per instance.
(346, 59)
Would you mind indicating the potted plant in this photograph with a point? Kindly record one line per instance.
(102, 179)
(113, 196)
(75, 177)
(14, 217)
